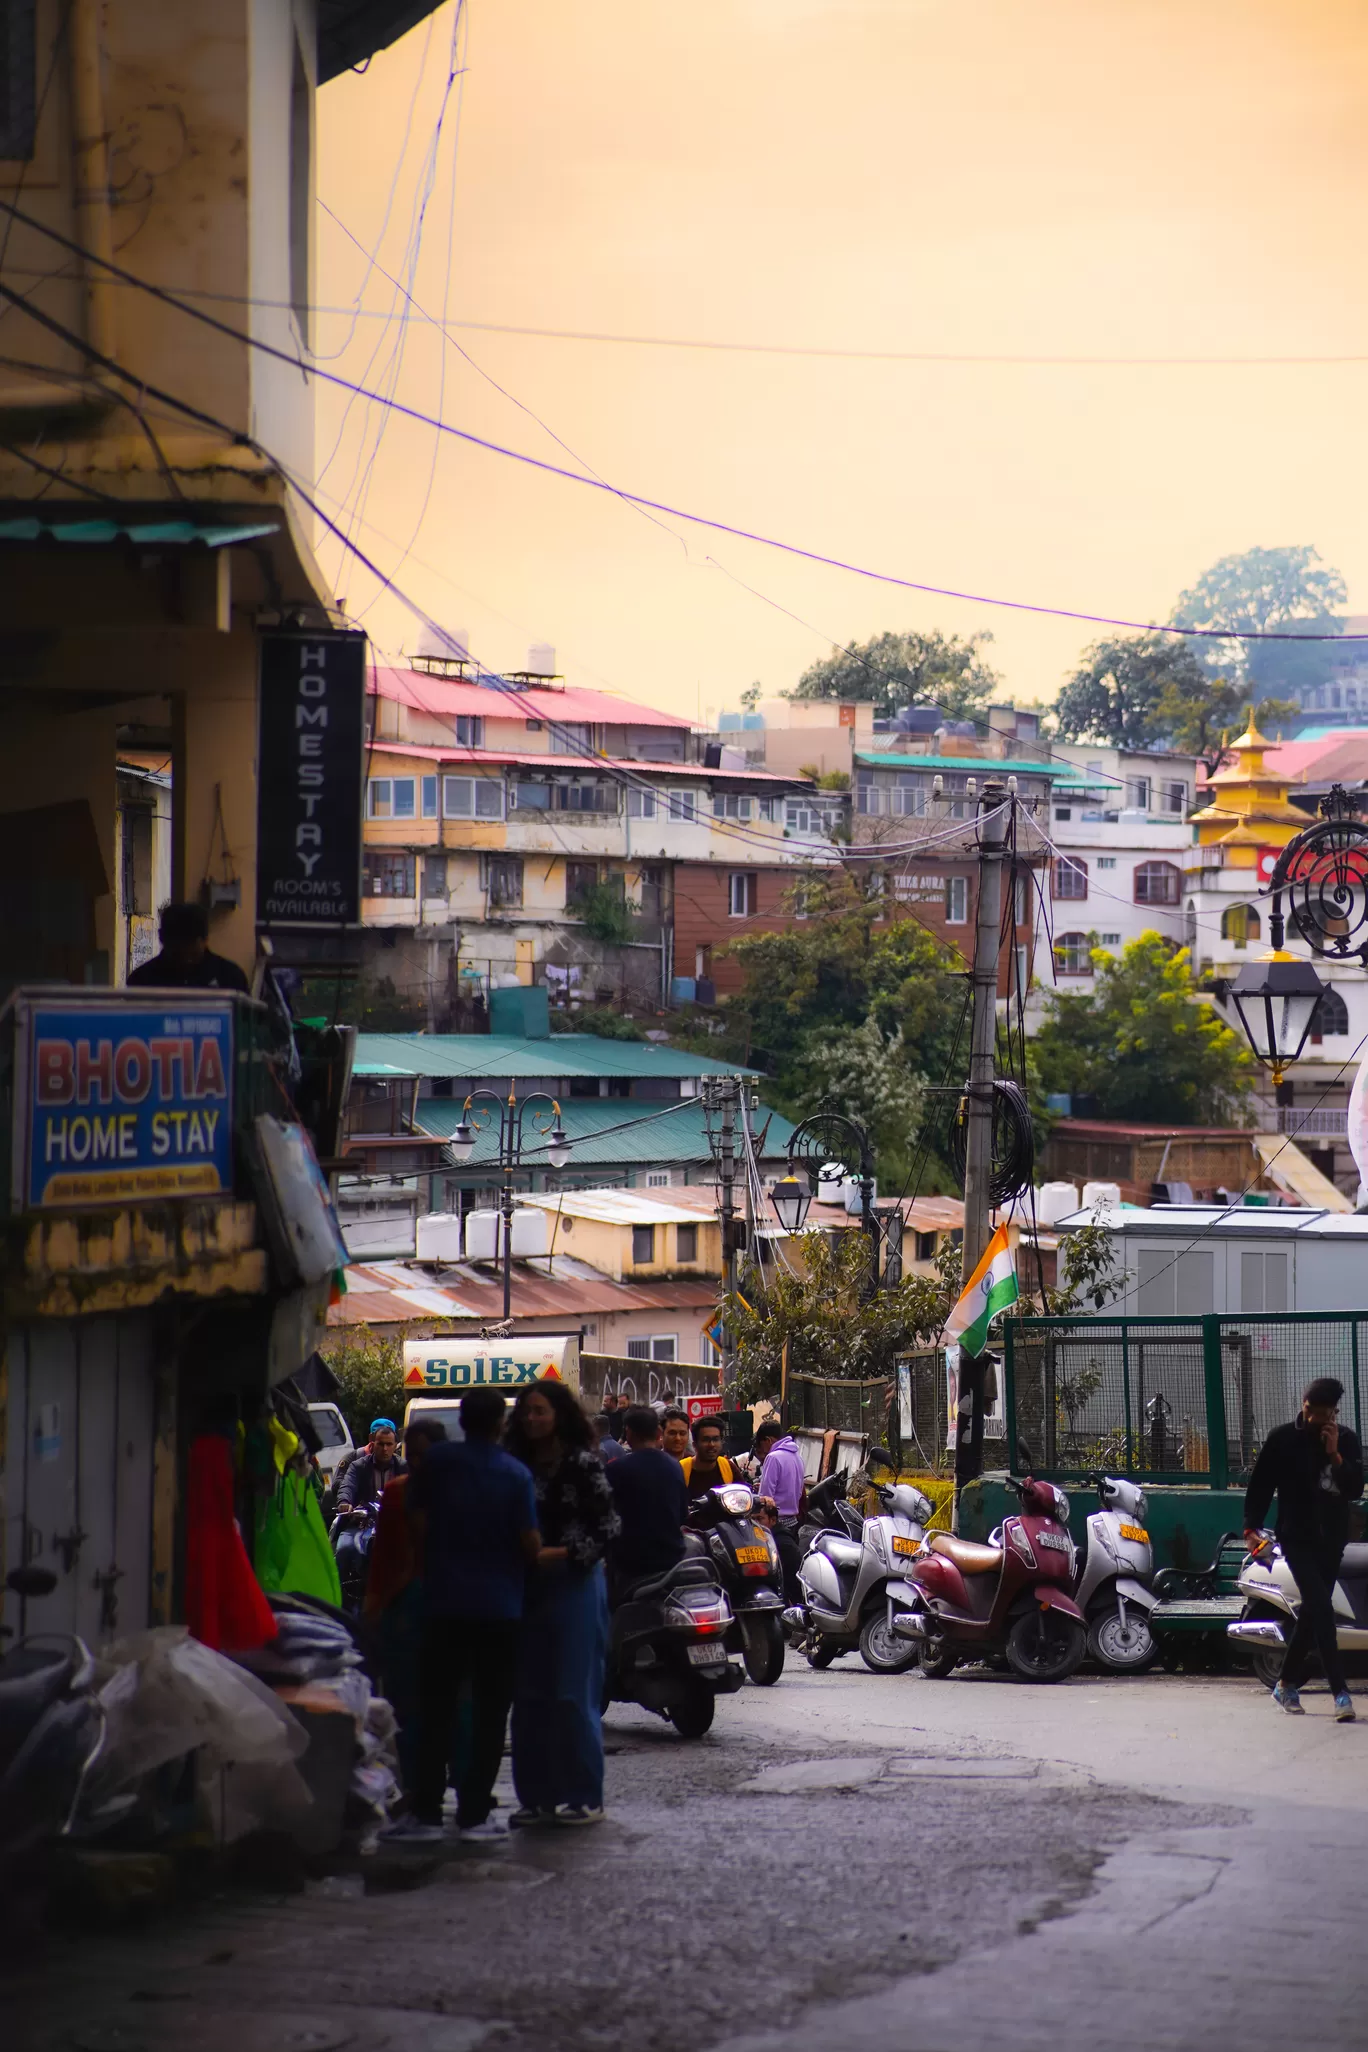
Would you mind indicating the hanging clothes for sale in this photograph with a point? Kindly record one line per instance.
(291, 1548)
(224, 1604)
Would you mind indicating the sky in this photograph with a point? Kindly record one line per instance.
(964, 179)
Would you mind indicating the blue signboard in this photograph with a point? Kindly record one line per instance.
(129, 1102)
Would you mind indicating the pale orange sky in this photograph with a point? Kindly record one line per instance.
(1048, 177)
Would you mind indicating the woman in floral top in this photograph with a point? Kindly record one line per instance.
(557, 1724)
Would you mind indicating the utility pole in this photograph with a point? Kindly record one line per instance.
(721, 1094)
(978, 1153)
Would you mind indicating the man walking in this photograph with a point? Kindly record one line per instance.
(1315, 1466)
(475, 1514)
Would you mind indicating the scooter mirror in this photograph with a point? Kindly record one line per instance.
(881, 1457)
(1024, 1458)
(31, 1581)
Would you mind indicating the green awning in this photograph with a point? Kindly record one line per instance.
(147, 533)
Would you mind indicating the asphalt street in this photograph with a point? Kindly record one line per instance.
(846, 1860)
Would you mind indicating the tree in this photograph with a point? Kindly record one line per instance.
(750, 697)
(370, 1367)
(907, 669)
(1198, 714)
(866, 1073)
(1116, 693)
(1286, 590)
(1144, 1043)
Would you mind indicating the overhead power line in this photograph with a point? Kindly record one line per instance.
(538, 463)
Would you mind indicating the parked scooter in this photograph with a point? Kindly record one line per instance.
(667, 1647)
(747, 1564)
(828, 1510)
(845, 1580)
(1272, 1601)
(1112, 1589)
(963, 1601)
(52, 1730)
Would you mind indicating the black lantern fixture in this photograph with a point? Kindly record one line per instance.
(516, 1141)
(462, 1142)
(1276, 1002)
(791, 1198)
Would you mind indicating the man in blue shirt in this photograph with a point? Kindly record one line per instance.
(652, 1502)
(474, 1512)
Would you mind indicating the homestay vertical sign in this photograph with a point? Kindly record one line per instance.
(310, 760)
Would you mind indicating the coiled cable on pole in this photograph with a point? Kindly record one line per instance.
(1013, 1141)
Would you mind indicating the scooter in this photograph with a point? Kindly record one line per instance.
(829, 1511)
(352, 1533)
(1112, 1589)
(845, 1582)
(1010, 1598)
(667, 1647)
(747, 1564)
(1272, 1601)
(52, 1731)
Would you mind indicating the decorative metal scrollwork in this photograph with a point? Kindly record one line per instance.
(1324, 874)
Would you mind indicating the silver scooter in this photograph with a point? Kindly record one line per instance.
(1116, 1568)
(845, 1583)
(1272, 1601)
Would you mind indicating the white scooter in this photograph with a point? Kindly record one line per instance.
(1116, 1568)
(1272, 1601)
(845, 1584)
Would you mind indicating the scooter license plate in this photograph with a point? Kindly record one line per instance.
(1137, 1533)
(706, 1656)
(901, 1545)
(747, 1555)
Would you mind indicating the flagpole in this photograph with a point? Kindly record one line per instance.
(995, 806)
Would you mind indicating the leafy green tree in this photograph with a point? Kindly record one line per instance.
(907, 669)
(1198, 715)
(867, 1074)
(1288, 590)
(821, 1306)
(370, 1367)
(1144, 1043)
(1116, 693)
(750, 697)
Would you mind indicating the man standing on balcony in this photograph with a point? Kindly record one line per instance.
(186, 961)
(1315, 1466)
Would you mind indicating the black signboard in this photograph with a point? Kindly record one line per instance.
(310, 767)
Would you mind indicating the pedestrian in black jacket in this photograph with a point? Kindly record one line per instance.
(1315, 1467)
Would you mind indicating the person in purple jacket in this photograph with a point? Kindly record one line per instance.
(783, 1479)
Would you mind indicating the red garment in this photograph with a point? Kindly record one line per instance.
(393, 1559)
(224, 1604)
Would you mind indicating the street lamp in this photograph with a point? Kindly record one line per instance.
(791, 1199)
(514, 1140)
(1276, 1001)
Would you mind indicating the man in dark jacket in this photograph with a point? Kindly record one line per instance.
(367, 1475)
(652, 1502)
(1315, 1466)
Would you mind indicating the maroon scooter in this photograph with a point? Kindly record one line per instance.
(1006, 1600)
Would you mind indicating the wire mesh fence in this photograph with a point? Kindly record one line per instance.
(1178, 1399)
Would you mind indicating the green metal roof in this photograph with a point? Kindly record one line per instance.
(611, 1133)
(497, 1054)
(148, 533)
(973, 764)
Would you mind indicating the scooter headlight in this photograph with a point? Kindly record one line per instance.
(734, 1499)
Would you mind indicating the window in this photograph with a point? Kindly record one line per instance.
(1173, 798)
(389, 873)
(1070, 879)
(1021, 903)
(643, 1246)
(1063, 812)
(956, 900)
(472, 797)
(686, 1243)
(580, 879)
(731, 805)
(568, 795)
(654, 889)
(741, 893)
(1158, 883)
(434, 876)
(530, 798)
(392, 797)
(429, 797)
(1073, 954)
(767, 808)
(1330, 1016)
(1263, 1282)
(1138, 793)
(640, 804)
(503, 880)
(1109, 940)
(926, 1246)
(657, 1179)
(572, 737)
(682, 804)
(801, 816)
(1106, 862)
(534, 726)
(661, 1346)
(1240, 924)
(469, 730)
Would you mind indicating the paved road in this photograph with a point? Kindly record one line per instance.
(847, 1860)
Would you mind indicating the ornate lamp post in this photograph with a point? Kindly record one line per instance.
(547, 1132)
(828, 1136)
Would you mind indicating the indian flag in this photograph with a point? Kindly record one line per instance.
(989, 1290)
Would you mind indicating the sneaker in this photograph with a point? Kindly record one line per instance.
(1289, 1700)
(578, 1813)
(1344, 1708)
(490, 1832)
(412, 1831)
(524, 1819)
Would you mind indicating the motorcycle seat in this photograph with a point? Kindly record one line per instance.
(685, 1573)
(967, 1555)
(1354, 1560)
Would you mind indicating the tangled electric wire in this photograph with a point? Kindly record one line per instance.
(1013, 1141)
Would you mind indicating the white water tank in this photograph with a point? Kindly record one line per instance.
(444, 644)
(1055, 1201)
(541, 659)
(1102, 1193)
(482, 1236)
(530, 1235)
(439, 1236)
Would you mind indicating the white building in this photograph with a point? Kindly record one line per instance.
(1120, 840)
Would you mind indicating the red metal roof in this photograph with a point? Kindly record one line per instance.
(646, 770)
(376, 1295)
(448, 695)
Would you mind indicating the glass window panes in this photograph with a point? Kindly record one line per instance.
(472, 797)
(429, 797)
(956, 900)
(640, 804)
(405, 798)
(731, 805)
(1158, 883)
(388, 873)
(643, 1246)
(741, 893)
(682, 804)
(1070, 878)
(1073, 954)
(469, 730)
(686, 1243)
(380, 798)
